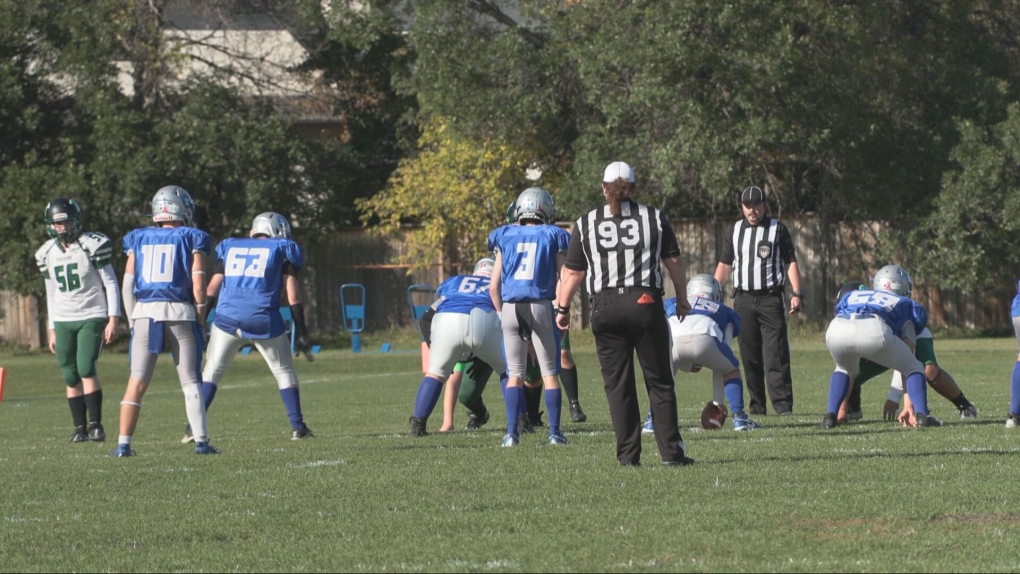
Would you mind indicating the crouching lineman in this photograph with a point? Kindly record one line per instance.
(938, 378)
(880, 325)
(465, 324)
(703, 339)
(251, 273)
(164, 297)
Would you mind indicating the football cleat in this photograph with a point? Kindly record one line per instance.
(524, 425)
(536, 419)
(927, 421)
(302, 434)
(684, 459)
(96, 432)
(80, 435)
(510, 440)
(203, 447)
(417, 426)
(855, 415)
(476, 421)
(647, 427)
(123, 449)
(576, 413)
(188, 437)
(828, 421)
(558, 438)
(968, 412)
(741, 422)
(1012, 420)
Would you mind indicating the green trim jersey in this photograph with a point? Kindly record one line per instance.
(80, 282)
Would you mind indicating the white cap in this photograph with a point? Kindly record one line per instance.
(618, 170)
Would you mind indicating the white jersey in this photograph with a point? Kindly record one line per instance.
(80, 282)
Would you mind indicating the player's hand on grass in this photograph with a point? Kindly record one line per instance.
(889, 410)
(907, 417)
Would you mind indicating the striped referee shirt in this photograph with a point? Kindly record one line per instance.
(759, 255)
(621, 251)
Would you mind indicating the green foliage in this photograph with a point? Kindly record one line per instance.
(454, 192)
(364, 497)
(975, 227)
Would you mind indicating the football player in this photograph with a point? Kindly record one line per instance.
(164, 296)
(704, 339)
(938, 378)
(82, 309)
(464, 324)
(879, 324)
(250, 276)
(528, 257)
(1013, 418)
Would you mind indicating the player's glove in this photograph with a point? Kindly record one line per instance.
(425, 325)
(297, 313)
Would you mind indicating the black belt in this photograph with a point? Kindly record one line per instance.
(632, 289)
(761, 292)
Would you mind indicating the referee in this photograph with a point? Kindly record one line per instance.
(761, 258)
(621, 244)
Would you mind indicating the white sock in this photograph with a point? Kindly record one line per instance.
(195, 408)
(124, 439)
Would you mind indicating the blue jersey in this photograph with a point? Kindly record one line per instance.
(1014, 311)
(253, 279)
(896, 311)
(723, 315)
(462, 293)
(529, 260)
(163, 257)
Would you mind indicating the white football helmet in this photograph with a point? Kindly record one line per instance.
(705, 286)
(270, 224)
(536, 203)
(173, 203)
(484, 267)
(893, 279)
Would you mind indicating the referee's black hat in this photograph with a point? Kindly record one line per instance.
(752, 195)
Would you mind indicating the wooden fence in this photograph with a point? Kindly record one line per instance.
(828, 254)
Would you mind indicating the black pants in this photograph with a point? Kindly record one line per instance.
(621, 326)
(765, 350)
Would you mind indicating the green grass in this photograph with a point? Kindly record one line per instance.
(362, 496)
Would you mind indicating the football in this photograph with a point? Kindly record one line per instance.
(713, 416)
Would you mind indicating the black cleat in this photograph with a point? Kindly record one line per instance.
(302, 434)
(968, 412)
(418, 427)
(80, 435)
(576, 413)
(828, 421)
(927, 421)
(96, 432)
(524, 425)
(476, 421)
(536, 419)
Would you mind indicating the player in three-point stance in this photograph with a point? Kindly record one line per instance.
(881, 325)
(164, 296)
(250, 275)
(465, 324)
(82, 309)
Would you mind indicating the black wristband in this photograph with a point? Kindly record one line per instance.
(798, 294)
(562, 310)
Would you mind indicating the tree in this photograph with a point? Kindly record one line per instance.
(447, 198)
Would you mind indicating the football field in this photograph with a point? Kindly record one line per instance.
(363, 496)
